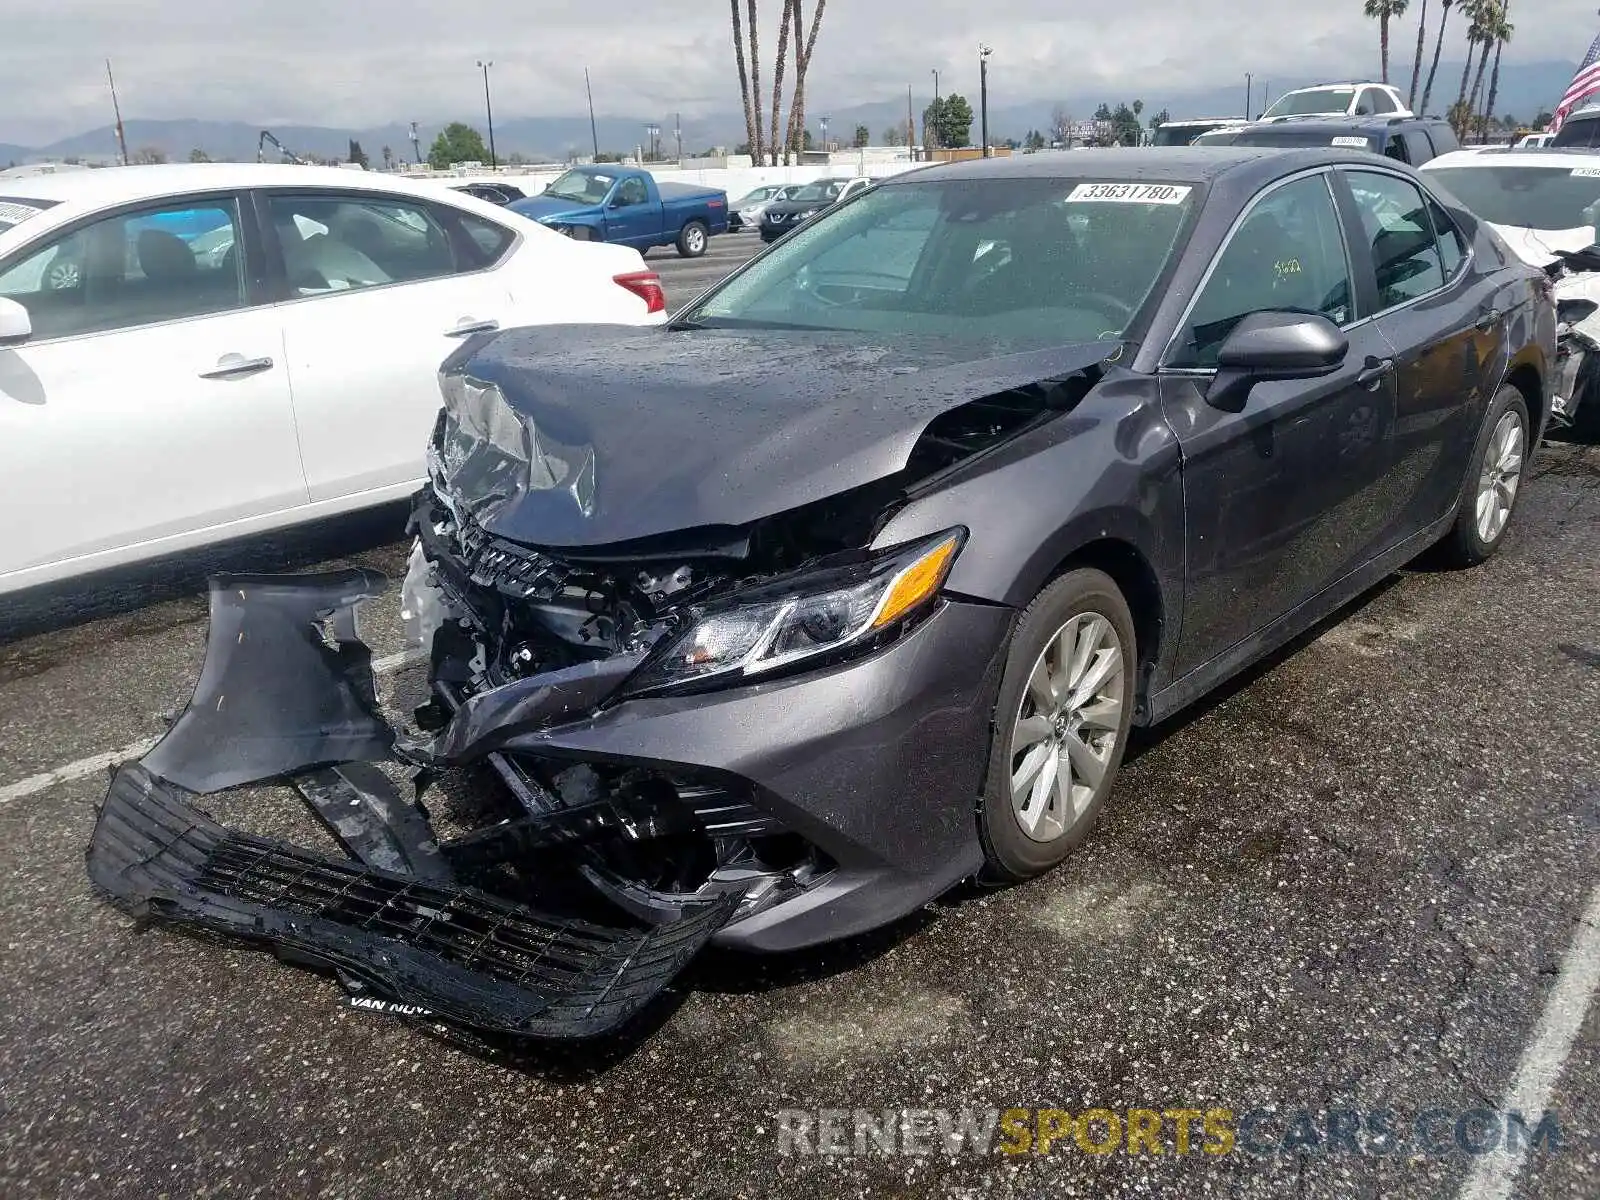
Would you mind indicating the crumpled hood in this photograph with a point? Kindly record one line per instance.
(540, 208)
(1538, 247)
(608, 434)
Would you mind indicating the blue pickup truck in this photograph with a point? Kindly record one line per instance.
(618, 204)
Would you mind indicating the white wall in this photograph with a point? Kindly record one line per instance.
(736, 182)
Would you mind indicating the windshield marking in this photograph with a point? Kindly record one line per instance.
(1128, 193)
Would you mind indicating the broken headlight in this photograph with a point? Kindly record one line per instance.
(807, 617)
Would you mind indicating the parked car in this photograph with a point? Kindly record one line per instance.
(495, 191)
(628, 207)
(1411, 140)
(745, 212)
(1581, 129)
(783, 216)
(1534, 141)
(1546, 206)
(1182, 132)
(850, 583)
(172, 389)
(1338, 100)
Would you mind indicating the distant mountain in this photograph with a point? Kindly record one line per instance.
(1525, 90)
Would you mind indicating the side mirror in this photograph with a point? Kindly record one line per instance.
(1274, 345)
(16, 326)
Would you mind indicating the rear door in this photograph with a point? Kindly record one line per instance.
(378, 290)
(1445, 332)
(1282, 499)
(151, 403)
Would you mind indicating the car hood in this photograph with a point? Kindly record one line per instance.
(541, 208)
(1541, 247)
(588, 436)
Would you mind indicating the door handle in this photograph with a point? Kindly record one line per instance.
(1489, 318)
(469, 327)
(236, 366)
(1374, 373)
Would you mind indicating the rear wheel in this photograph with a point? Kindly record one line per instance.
(692, 240)
(1494, 482)
(1060, 724)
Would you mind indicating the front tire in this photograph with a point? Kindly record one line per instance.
(1494, 482)
(1060, 724)
(692, 240)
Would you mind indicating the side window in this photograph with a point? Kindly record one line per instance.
(1381, 104)
(1396, 225)
(154, 264)
(1287, 255)
(1396, 149)
(1452, 246)
(332, 243)
(492, 240)
(1419, 149)
(632, 191)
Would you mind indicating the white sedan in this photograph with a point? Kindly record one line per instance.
(198, 352)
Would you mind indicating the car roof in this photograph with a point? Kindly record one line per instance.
(1150, 162)
(1563, 158)
(117, 185)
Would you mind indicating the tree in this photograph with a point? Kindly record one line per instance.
(199, 155)
(1060, 124)
(952, 117)
(892, 136)
(1384, 11)
(147, 155)
(358, 155)
(457, 142)
(792, 31)
(388, 159)
(777, 85)
(1502, 31)
(802, 69)
(1427, 90)
(863, 136)
(750, 132)
(1416, 66)
(1125, 123)
(1034, 141)
(1160, 119)
(1477, 14)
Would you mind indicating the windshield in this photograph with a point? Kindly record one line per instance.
(1320, 100)
(1179, 134)
(14, 211)
(1529, 197)
(759, 196)
(591, 187)
(1027, 262)
(815, 191)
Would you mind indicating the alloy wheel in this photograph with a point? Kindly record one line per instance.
(1502, 475)
(1065, 731)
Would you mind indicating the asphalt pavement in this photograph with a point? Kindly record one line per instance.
(1352, 882)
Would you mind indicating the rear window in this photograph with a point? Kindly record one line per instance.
(16, 209)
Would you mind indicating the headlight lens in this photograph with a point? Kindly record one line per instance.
(774, 627)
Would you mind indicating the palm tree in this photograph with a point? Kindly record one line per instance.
(750, 131)
(1488, 19)
(1416, 66)
(757, 145)
(782, 148)
(802, 66)
(1427, 90)
(1503, 31)
(1384, 11)
(1474, 10)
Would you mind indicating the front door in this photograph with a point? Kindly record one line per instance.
(630, 217)
(1277, 496)
(151, 402)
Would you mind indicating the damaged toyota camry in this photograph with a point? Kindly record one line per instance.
(767, 627)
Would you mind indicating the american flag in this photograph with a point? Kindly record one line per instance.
(1584, 84)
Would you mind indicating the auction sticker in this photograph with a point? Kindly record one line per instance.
(1351, 143)
(1586, 172)
(1129, 193)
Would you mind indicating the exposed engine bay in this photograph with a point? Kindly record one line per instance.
(1577, 379)
(587, 691)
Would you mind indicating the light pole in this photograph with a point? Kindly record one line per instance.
(489, 111)
(594, 136)
(931, 134)
(823, 121)
(983, 94)
(1249, 93)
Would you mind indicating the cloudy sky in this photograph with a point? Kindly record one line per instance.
(365, 62)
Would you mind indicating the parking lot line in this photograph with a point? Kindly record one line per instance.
(107, 759)
(1564, 1013)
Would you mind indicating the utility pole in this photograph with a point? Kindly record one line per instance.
(677, 132)
(489, 109)
(592, 134)
(983, 93)
(824, 123)
(930, 134)
(1249, 93)
(911, 126)
(416, 145)
(122, 140)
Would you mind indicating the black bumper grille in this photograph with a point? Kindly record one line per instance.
(463, 954)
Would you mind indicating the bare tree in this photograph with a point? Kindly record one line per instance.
(744, 76)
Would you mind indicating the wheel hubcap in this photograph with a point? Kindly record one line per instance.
(1066, 726)
(1502, 475)
(696, 240)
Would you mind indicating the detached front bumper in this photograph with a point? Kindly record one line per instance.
(878, 763)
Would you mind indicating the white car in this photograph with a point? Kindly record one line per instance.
(1534, 141)
(1545, 204)
(1338, 100)
(191, 353)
